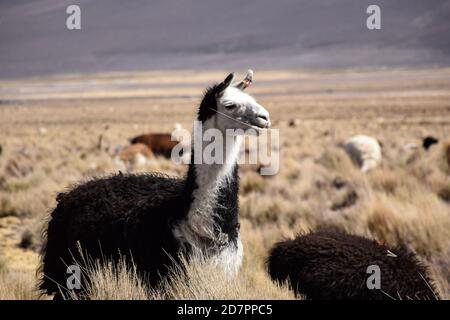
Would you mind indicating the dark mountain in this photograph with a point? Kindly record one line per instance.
(209, 34)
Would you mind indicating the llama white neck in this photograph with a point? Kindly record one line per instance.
(214, 161)
(209, 179)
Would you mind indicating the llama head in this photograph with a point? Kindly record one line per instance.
(226, 106)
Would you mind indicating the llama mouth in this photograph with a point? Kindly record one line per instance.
(258, 128)
(259, 124)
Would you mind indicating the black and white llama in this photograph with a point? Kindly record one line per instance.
(151, 218)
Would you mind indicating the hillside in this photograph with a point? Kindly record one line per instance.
(201, 34)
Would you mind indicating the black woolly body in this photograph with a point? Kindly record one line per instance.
(332, 265)
(128, 215)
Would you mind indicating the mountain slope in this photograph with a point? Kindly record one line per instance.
(199, 34)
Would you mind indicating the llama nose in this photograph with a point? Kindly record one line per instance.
(265, 118)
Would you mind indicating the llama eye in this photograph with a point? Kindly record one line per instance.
(230, 106)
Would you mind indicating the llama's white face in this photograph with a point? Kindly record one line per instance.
(238, 110)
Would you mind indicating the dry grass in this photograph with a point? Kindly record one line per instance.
(202, 280)
(194, 279)
(51, 144)
(111, 282)
(17, 285)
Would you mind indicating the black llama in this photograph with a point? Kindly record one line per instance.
(333, 265)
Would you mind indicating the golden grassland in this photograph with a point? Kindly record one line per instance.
(49, 132)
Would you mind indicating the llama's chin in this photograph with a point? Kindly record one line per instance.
(261, 127)
(251, 130)
(258, 130)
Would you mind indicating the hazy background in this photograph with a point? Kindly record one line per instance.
(205, 34)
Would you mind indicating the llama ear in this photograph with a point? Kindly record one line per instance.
(224, 84)
(247, 80)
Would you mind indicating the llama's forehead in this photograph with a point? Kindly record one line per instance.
(233, 95)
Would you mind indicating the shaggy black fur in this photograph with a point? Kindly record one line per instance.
(332, 265)
(130, 216)
(123, 214)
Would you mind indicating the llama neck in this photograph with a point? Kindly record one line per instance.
(213, 200)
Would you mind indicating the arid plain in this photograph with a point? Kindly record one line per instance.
(49, 135)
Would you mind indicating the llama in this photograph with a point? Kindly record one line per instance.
(331, 264)
(364, 151)
(134, 155)
(151, 218)
(158, 143)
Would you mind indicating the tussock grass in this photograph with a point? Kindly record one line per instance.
(111, 281)
(194, 278)
(17, 285)
(200, 279)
